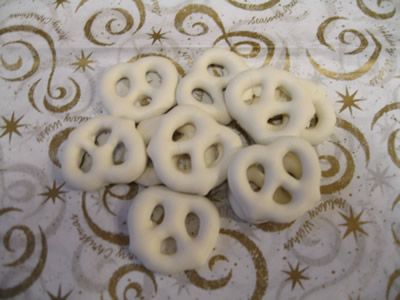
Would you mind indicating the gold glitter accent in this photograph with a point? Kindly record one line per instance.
(349, 101)
(157, 36)
(83, 62)
(252, 6)
(53, 193)
(121, 272)
(60, 3)
(392, 148)
(273, 226)
(392, 278)
(59, 295)
(35, 274)
(11, 126)
(380, 16)
(353, 224)
(296, 275)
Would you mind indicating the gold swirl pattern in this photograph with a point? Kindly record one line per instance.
(392, 148)
(121, 272)
(254, 43)
(347, 176)
(257, 257)
(18, 64)
(254, 6)
(396, 239)
(58, 139)
(351, 128)
(392, 278)
(396, 201)
(30, 244)
(108, 191)
(206, 284)
(8, 292)
(387, 108)
(114, 238)
(61, 91)
(363, 43)
(109, 25)
(6, 210)
(369, 12)
(178, 67)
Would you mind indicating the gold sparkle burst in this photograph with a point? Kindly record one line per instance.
(296, 275)
(353, 224)
(59, 296)
(60, 3)
(83, 62)
(11, 126)
(349, 101)
(53, 193)
(156, 36)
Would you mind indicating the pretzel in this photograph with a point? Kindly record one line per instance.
(149, 236)
(147, 128)
(277, 183)
(200, 80)
(90, 161)
(324, 113)
(191, 151)
(281, 107)
(143, 100)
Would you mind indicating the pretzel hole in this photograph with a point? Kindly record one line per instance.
(183, 162)
(86, 162)
(292, 165)
(154, 79)
(119, 154)
(256, 176)
(122, 87)
(183, 133)
(252, 95)
(217, 70)
(143, 100)
(168, 246)
(157, 216)
(313, 122)
(213, 154)
(282, 94)
(279, 121)
(282, 196)
(102, 137)
(202, 96)
(192, 224)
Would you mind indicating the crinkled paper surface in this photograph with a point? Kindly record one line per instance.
(62, 244)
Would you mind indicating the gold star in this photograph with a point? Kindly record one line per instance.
(59, 297)
(83, 62)
(60, 2)
(296, 275)
(157, 36)
(53, 193)
(11, 126)
(353, 224)
(349, 101)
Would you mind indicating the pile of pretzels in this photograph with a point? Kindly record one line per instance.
(175, 138)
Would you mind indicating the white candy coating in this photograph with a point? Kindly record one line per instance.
(191, 151)
(253, 114)
(200, 78)
(103, 169)
(146, 237)
(143, 100)
(298, 173)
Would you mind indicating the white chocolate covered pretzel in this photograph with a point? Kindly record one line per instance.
(268, 103)
(143, 98)
(147, 128)
(162, 240)
(324, 113)
(277, 183)
(200, 81)
(103, 150)
(191, 151)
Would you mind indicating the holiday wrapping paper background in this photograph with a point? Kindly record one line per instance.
(62, 244)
